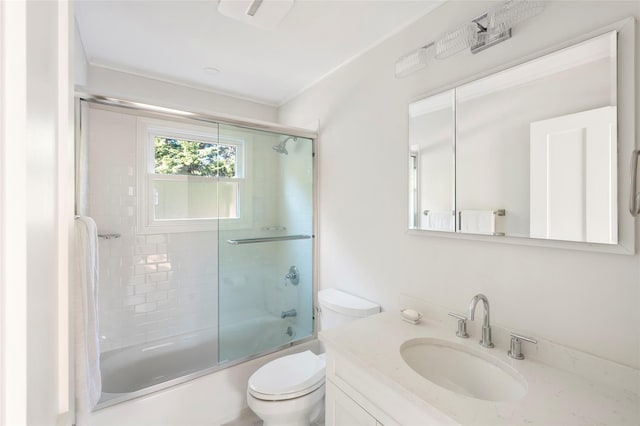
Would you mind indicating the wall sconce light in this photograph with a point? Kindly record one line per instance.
(481, 33)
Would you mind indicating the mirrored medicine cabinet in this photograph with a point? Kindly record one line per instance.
(539, 151)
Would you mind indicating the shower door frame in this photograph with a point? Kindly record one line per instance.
(164, 112)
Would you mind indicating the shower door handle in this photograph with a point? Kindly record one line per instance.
(268, 239)
(634, 196)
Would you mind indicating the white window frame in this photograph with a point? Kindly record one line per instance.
(148, 130)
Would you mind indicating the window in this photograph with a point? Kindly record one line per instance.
(188, 178)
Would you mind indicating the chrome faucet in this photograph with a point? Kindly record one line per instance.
(486, 327)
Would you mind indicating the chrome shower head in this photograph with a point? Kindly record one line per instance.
(281, 148)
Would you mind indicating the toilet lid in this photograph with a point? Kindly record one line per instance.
(288, 377)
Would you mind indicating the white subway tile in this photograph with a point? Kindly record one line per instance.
(145, 249)
(155, 258)
(145, 288)
(136, 279)
(146, 307)
(133, 300)
(158, 276)
(155, 296)
(163, 285)
(145, 269)
(156, 239)
(164, 266)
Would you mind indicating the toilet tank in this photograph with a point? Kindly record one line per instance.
(337, 307)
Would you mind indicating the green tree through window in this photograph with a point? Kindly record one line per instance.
(185, 157)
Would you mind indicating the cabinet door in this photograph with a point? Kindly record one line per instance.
(344, 411)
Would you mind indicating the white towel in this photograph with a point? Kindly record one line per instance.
(88, 381)
(438, 220)
(478, 222)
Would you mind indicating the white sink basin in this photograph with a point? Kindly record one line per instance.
(463, 370)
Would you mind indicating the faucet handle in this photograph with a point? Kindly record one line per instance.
(462, 325)
(515, 347)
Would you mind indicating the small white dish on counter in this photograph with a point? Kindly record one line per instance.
(411, 316)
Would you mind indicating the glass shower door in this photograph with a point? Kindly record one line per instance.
(265, 249)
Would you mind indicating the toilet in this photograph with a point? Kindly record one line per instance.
(289, 391)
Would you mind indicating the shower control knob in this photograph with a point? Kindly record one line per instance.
(293, 276)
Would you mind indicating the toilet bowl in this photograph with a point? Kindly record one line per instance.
(289, 391)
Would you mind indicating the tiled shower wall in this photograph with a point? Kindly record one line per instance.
(150, 286)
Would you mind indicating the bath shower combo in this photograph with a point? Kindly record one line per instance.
(193, 283)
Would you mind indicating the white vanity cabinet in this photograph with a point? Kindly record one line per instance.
(357, 397)
(340, 409)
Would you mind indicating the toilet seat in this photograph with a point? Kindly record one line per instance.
(288, 377)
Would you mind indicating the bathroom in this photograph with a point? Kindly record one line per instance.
(582, 299)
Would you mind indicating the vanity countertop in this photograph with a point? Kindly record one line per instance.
(555, 396)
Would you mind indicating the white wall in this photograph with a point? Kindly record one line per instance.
(13, 280)
(584, 300)
(37, 209)
(104, 81)
(81, 65)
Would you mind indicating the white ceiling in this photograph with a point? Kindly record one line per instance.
(175, 40)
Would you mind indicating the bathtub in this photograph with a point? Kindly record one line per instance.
(210, 399)
(140, 370)
(138, 367)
